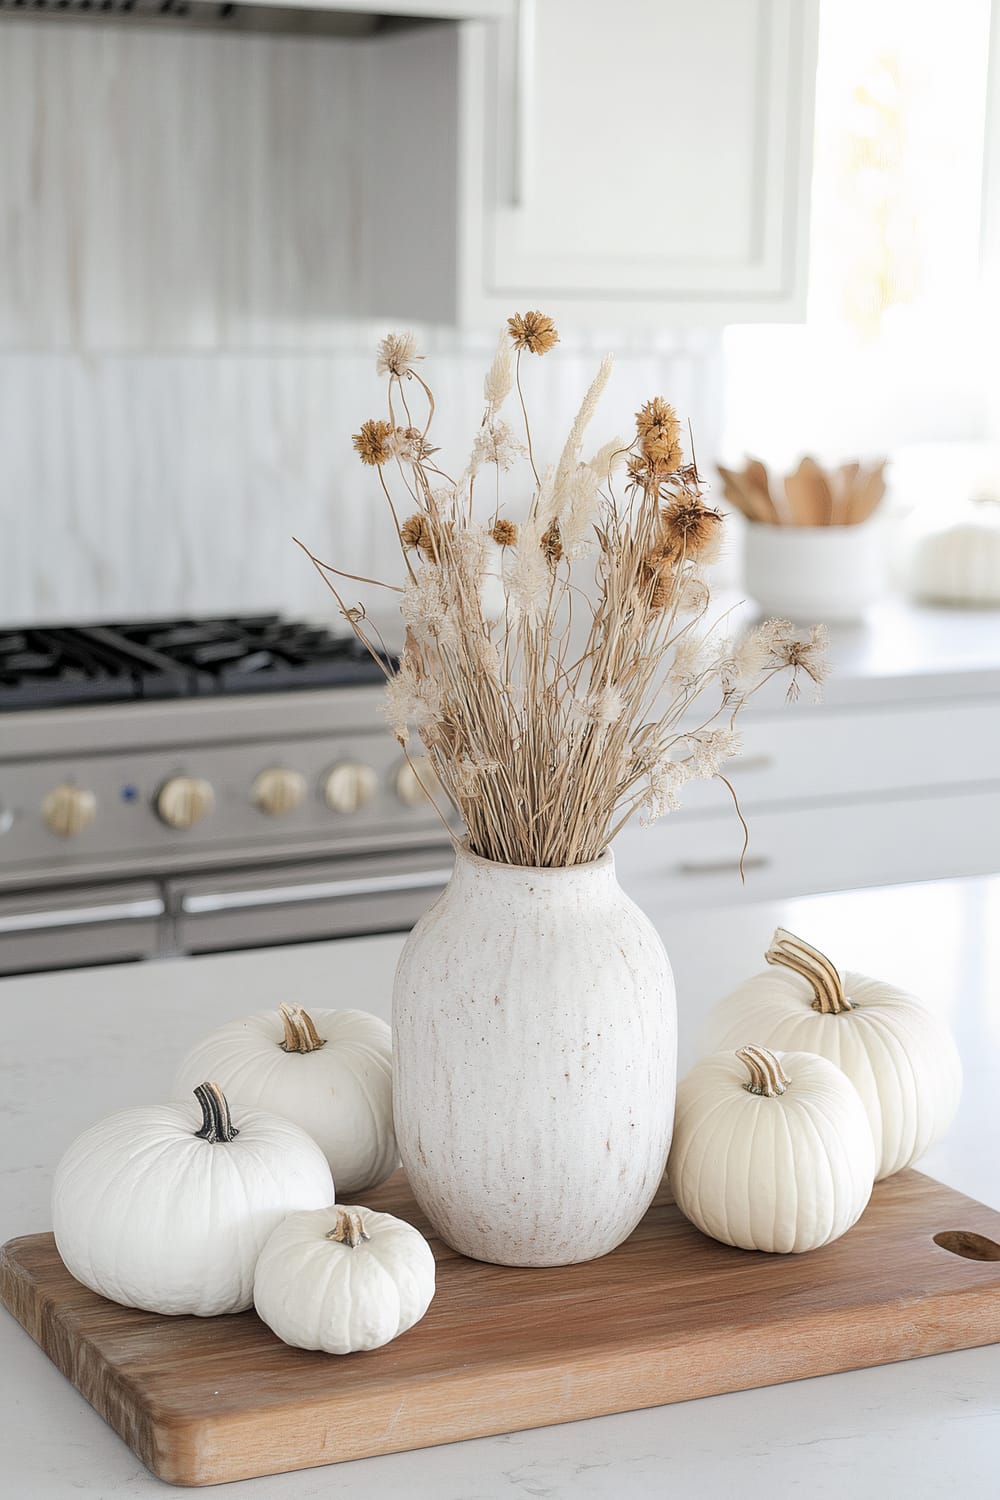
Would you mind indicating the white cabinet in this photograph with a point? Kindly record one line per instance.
(834, 798)
(642, 162)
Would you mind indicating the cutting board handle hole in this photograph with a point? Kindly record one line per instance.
(968, 1244)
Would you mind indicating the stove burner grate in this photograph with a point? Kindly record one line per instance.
(53, 666)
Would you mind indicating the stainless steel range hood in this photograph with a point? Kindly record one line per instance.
(305, 20)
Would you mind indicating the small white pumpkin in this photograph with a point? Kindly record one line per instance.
(329, 1070)
(343, 1279)
(771, 1151)
(901, 1059)
(961, 564)
(166, 1207)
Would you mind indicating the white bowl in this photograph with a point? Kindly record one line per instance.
(815, 574)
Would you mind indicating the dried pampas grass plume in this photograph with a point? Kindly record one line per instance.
(499, 378)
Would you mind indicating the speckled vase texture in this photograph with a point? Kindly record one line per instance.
(535, 1055)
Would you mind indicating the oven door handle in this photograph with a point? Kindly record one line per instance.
(82, 916)
(201, 903)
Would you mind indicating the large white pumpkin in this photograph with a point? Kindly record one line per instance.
(901, 1059)
(328, 1070)
(343, 1279)
(166, 1207)
(771, 1151)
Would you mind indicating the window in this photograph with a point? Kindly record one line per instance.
(894, 356)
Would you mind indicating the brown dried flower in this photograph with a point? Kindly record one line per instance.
(396, 355)
(690, 528)
(370, 442)
(552, 543)
(504, 533)
(659, 432)
(663, 591)
(415, 533)
(658, 576)
(533, 331)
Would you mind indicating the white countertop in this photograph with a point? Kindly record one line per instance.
(79, 1044)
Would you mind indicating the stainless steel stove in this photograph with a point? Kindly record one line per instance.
(189, 785)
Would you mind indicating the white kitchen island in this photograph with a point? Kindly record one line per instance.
(82, 1043)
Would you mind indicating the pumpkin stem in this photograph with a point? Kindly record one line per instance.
(300, 1033)
(791, 952)
(348, 1230)
(216, 1121)
(767, 1076)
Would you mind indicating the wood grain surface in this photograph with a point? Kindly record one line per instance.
(668, 1316)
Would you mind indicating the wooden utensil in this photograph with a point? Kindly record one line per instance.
(668, 1316)
(755, 503)
(807, 505)
(868, 490)
(841, 485)
(734, 491)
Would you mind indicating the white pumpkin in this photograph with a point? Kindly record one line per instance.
(343, 1279)
(166, 1207)
(329, 1070)
(960, 564)
(901, 1059)
(771, 1151)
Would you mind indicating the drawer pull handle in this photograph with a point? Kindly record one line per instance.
(198, 903)
(722, 866)
(82, 916)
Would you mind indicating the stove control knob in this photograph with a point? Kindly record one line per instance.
(349, 786)
(278, 790)
(415, 779)
(184, 800)
(68, 810)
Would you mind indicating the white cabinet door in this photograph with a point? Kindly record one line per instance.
(645, 163)
(648, 159)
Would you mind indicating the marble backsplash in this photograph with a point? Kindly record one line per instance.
(181, 364)
(167, 483)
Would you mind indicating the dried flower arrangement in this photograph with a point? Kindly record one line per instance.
(552, 665)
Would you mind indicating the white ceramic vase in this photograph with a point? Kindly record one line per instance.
(534, 1062)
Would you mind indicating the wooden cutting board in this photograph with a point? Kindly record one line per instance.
(668, 1316)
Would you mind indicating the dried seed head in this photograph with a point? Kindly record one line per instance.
(533, 331)
(415, 533)
(396, 355)
(797, 651)
(370, 442)
(495, 443)
(504, 533)
(552, 543)
(408, 444)
(690, 528)
(659, 431)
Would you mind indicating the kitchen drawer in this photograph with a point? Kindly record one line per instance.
(73, 925)
(805, 755)
(692, 864)
(335, 898)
